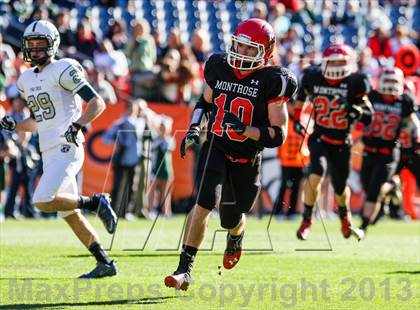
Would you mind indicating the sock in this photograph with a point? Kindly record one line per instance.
(342, 211)
(238, 237)
(307, 212)
(99, 253)
(189, 250)
(88, 203)
(234, 241)
(365, 222)
(186, 259)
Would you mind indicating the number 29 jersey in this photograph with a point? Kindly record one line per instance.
(51, 96)
(331, 120)
(246, 96)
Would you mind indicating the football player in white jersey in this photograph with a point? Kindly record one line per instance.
(50, 88)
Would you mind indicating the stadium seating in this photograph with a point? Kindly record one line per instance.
(218, 17)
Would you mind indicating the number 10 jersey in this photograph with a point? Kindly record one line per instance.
(246, 96)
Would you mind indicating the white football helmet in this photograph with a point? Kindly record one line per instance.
(340, 52)
(391, 82)
(40, 29)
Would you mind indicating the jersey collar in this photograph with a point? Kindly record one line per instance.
(241, 76)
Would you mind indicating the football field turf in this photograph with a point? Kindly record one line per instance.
(40, 259)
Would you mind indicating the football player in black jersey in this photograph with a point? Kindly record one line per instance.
(393, 110)
(410, 148)
(410, 140)
(339, 97)
(243, 106)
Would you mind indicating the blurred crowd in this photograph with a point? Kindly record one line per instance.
(132, 62)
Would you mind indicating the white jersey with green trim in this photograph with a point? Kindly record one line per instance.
(51, 96)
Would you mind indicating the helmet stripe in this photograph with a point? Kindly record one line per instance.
(33, 29)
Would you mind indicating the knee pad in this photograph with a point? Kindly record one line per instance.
(230, 216)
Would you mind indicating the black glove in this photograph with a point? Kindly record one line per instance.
(231, 120)
(72, 132)
(8, 123)
(192, 137)
(299, 128)
(354, 112)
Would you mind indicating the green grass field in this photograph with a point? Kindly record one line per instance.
(40, 259)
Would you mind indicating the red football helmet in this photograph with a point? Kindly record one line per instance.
(256, 33)
(391, 82)
(338, 62)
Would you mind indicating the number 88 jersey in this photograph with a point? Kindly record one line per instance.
(50, 94)
(246, 96)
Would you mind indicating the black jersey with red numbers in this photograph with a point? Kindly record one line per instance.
(410, 141)
(384, 130)
(247, 96)
(330, 119)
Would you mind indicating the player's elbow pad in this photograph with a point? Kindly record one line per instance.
(201, 113)
(267, 141)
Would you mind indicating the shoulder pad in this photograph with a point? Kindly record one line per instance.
(71, 75)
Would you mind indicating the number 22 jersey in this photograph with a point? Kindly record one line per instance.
(331, 120)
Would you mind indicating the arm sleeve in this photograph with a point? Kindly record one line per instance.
(409, 106)
(284, 88)
(359, 88)
(304, 87)
(86, 92)
(72, 78)
(210, 69)
(201, 113)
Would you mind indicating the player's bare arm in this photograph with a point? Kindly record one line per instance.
(277, 114)
(297, 111)
(28, 124)
(95, 107)
(297, 108)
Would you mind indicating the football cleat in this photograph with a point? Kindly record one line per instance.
(105, 212)
(100, 271)
(346, 226)
(359, 233)
(179, 281)
(304, 230)
(233, 252)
